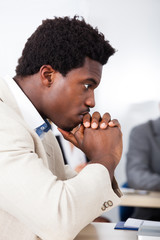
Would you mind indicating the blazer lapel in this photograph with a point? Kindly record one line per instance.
(54, 155)
(7, 97)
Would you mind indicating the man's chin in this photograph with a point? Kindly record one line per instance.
(69, 128)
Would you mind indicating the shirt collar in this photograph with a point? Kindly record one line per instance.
(28, 111)
(45, 127)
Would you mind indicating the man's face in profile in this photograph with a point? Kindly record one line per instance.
(72, 96)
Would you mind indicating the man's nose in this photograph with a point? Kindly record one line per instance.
(90, 101)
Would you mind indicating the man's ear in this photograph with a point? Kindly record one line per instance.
(47, 75)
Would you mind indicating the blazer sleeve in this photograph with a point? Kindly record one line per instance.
(69, 172)
(50, 207)
(139, 172)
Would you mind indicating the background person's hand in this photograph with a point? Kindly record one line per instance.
(80, 167)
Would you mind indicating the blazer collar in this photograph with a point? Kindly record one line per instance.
(7, 97)
(27, 109)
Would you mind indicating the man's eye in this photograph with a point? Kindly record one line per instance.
(87, 85)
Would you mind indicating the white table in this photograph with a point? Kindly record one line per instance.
(151, 199)
(105, 231)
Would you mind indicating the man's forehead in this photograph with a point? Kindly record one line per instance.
(91, 69)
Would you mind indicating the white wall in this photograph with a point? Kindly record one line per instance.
(132, 74)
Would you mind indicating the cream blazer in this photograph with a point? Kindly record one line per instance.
(40, 197)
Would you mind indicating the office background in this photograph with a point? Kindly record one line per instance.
(130, 86)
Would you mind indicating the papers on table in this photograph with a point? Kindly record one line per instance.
(136, 223)
(147, 230)
(134, 191)
(120, 225)
(132, 222)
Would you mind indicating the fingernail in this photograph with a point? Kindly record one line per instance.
(94, 125)
(87, 124)
(111, 123)
(103, 125)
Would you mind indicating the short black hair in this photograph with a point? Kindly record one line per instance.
(63, 43)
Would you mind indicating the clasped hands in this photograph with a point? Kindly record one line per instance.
(94, 122)
(99, 138)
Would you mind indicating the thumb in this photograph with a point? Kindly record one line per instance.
(69, 136)
(79, 135)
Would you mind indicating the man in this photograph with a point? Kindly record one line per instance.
(143, 163)
(60, 67)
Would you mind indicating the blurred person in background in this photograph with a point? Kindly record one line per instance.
(143, 164)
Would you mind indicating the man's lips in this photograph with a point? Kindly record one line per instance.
(85, 112)
(81, 115)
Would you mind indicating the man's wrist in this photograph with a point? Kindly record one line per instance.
(108, 162)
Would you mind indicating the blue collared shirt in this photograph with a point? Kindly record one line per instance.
(45, 127)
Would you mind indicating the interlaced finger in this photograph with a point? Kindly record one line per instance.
(96, 117)
(87, 120)
(114, 123)
(105, 120)
(69, 136)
